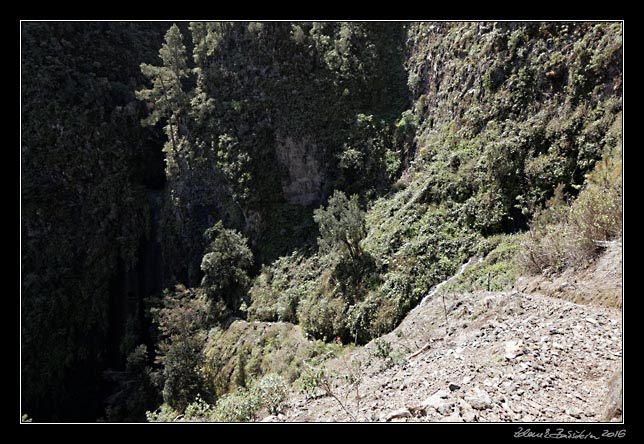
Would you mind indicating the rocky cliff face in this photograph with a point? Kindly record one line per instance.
(507, 111)
(302, 183)
(460, 70)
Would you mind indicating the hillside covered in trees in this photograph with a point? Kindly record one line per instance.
(212, 210)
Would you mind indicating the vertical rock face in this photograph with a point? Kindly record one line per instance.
(613, 404)
(303, 182)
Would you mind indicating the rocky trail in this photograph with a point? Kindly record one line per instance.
(483, 356)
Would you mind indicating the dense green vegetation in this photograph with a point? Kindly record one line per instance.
(84, 169)
(319, 180)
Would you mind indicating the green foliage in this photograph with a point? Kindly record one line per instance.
(278, 290)
(366, 162)
(335, 85)
(324, 317)
(564, 235)
(239, 375)
(240, 406)
(181, 323)
(497, 271)
(386, 351)
(166, 97)
(164, 413)
(597, 212)
(500, 149)
(341, 225)
(257, 349)
(198, 410)
(501, 115)
(393, 163)
(311, 380)
(383, 349)
(85, 160)
(225, 264)
(25, 418)
(135, 390)
(272, 392)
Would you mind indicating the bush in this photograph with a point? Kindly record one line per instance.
(597, 212)
(551, 244)
(198, 410)
(225, 265)
(310, 381)
(272, 392)
(277, 292)
(241, 406)
(342, 225)
(364, 161)
(496, 272)
(165, 413)
(382, 350)
(324, 316)
(565, 235)
(244, 404)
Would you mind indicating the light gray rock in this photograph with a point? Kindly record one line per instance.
(271, 418)
(513, 349)
(479, 399)
(445, 408)
(509, 387)
(396, 414)
(454, 417)
(574, 412)
(591, 321)
(469, 416)
(435, 400)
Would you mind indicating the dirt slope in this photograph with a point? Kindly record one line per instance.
(511, 356)
(599, 284)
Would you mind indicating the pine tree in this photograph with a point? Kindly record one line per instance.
(167, 99)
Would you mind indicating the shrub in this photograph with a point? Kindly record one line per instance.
(310, 381)
(597, 212)
(564, 235)
(165, 413)
(240, 406)
(324, 316)
(363, 159)
(382, 349)
(198, 410)
(551, 244)
(225, 265)
(342, 225)
(278, 290)
(272, 392)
